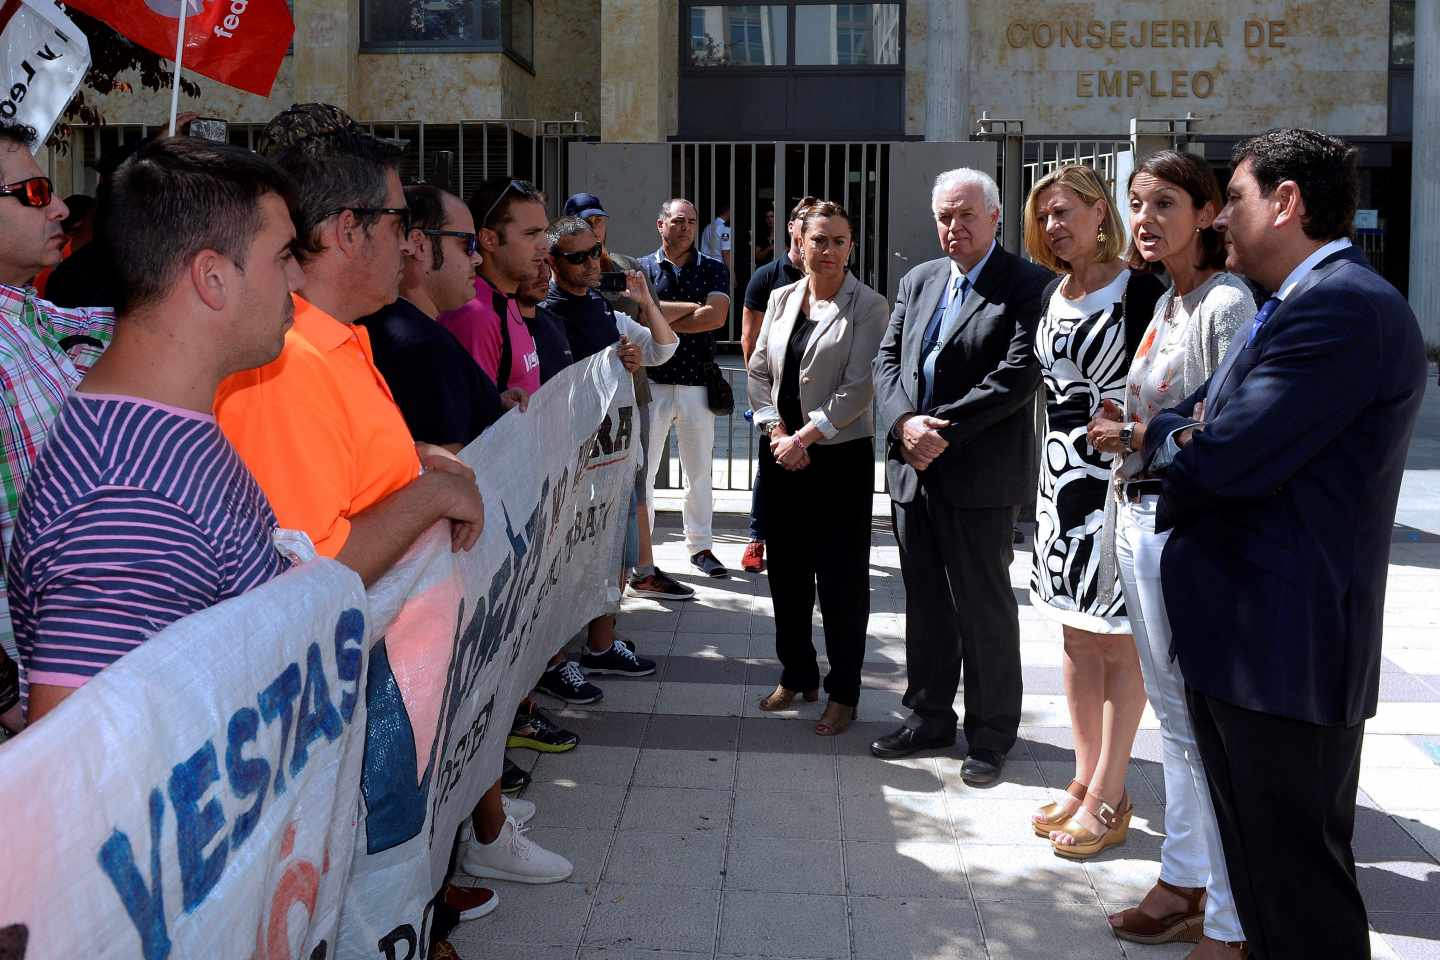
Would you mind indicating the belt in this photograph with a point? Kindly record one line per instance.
(1133, 490)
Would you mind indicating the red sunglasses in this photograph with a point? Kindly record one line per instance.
(35, 192)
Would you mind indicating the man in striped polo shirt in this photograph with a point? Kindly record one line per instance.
(138, 511)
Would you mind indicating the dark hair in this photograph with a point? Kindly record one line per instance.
(492, 201)
(825, 208)
(566, 227)
(17, 133)
(338, 171)
(806, 202)
(427, 212)
(176, 197)
(1322, 166)
(1196, 177)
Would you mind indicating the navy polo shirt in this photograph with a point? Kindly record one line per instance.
(778, 273)
(690, 282)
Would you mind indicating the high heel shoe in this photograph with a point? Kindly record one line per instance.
(1185, 925)
(781, 697)
(1052, 816)
(1088, 844)
(835, 720)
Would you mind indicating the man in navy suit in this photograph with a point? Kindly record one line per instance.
(1281, 478)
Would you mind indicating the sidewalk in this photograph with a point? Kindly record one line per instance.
(702, 829)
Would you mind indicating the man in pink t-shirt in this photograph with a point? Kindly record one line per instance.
(510, 220)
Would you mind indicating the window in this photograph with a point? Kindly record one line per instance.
(752, 35)
(437, 25)
(1402, 34)
(847, 34)
(797, 32)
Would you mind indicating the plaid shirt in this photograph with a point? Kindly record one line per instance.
(42, 358)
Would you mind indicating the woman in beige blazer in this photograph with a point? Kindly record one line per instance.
(810, 387)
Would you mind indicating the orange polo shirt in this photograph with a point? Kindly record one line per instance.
(318, 428)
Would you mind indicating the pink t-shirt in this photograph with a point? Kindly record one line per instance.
(477, 326)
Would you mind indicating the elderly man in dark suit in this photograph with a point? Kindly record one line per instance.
(1281, 478)
(954, 380)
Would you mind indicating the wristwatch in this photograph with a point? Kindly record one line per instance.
(1127, 437)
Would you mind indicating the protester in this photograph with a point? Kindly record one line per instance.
(44, 352)
(1174, 198)
(547, 330)
(957, 411)
(810, 384)
(765, 281)
(138, 511)
(694, 293)
(646, 579)
(1282, 474)
(717, 239)
(510, 221)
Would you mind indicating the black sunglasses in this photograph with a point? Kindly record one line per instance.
(403, 213)
(472, 242)
(580, 256)
(34, 192)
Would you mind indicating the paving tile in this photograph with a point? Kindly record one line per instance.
(612, 766)
(648, 643)
(895, 816)
(700, 699)
(709, 769)
(701, 620)
(909, 868)
(692, 733)
(1030, 873)
(611, 730)
(914, 929)
(1411, 937)
(772, 735)
(689, 669)
(1396, 788)
(585, 848)
(1400, 886)
(625, 696)
(993, 822)
(711, 646)
(804, 815)
(1424, 826)
(641, 917)
(781, 865)
(764, 771)
(588, 805)
(1018, 931)
(784, 925)
(625, 953)
(867, 774)
(484, 949)
(1020, 780)
(694, 859)
(676, 810)
(544, 915)
(1379, 837)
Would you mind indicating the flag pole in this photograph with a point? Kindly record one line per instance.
(179, 57)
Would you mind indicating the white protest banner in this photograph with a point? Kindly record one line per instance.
(197, 797)
(474, 633)
(43, 58)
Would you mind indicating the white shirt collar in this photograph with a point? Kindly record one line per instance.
(1308, 264)
(973, 274)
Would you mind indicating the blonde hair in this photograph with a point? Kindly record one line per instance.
(1085, 184)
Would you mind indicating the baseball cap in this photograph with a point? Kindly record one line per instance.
(584, 206)
(306, 121)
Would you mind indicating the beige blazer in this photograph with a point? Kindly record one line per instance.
(836, 389)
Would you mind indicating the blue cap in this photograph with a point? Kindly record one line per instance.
(584, 206)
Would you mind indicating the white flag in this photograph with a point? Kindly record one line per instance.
(43, 58)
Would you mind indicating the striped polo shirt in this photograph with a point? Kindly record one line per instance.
(136, 515)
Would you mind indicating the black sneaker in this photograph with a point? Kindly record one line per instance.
(513, 778)
(619, 659)
(660, 586)
(708, 564)
(567, 683)
(533, 730)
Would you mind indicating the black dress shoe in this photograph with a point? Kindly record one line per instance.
(982, 767)
(908, 740)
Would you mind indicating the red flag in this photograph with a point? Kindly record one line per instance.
(238, 42)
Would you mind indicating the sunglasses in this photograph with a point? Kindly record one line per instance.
(580, 256)
(403, 213)
(522, 187)
(472, 242)
(35, 192)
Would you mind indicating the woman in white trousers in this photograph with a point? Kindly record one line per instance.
(1174, 198)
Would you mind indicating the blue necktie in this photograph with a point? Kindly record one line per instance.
(1266, 309)
(942, 324)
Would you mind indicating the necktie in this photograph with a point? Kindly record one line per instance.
(1266, 309)
(940, 330)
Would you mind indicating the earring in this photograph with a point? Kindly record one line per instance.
(1100, 237)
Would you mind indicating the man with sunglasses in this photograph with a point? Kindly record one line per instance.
(44, 350)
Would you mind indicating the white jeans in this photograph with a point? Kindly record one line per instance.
(689, 410)
(1191, 855)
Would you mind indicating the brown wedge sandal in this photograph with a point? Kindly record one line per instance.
(1185, 925)
(835, 720)
(1087, 844)
(781, 698)
(1052, 815)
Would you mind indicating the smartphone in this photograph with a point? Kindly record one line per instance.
(210, 128)
(613, 282)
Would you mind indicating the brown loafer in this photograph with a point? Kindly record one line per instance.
(1052, 816)
(1181, 926)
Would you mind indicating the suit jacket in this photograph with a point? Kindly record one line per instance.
(1282, 506)
(836, 389)
(985, 380)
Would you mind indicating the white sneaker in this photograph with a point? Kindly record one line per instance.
(521, 811)
(512, 856)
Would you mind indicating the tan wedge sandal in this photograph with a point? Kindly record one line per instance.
(1052, 816)
(781, 698)
(835, 720)
(1088, 844)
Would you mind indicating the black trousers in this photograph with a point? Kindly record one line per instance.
(960, 610)
(1284, 793)
(817, 535)
(764, 466)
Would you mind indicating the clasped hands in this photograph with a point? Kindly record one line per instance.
(920, 440)
(787, 450)
(1103, 431)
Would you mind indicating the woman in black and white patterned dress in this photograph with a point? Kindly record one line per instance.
(1092, 318)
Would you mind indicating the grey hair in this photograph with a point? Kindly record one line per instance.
(965, 177)
(566, 227)
(665, 207)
